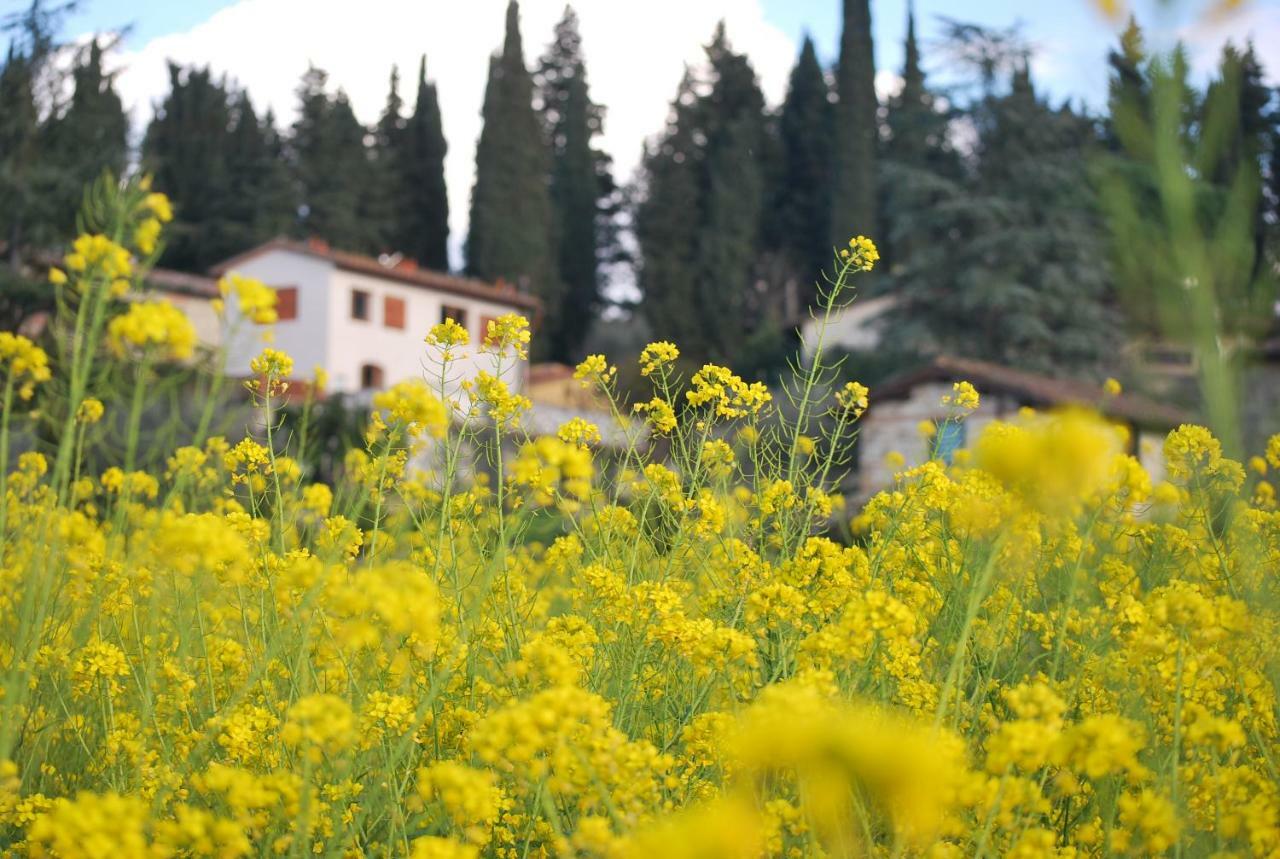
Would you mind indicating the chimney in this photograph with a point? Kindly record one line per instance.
(318, 245)
(407, 264)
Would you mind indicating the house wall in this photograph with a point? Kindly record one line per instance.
(305, 338)
(324, 333)
(892, 425)
(401, 353)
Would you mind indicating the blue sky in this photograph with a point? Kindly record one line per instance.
(1070, 36)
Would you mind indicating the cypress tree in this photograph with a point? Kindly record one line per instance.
(383, 206)
(186, 151)
(422, 224)
(854, 192)
(511, 234)
(802, 199)
(581, 184)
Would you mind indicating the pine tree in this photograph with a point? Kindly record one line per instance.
(801, 201)
(581, 184)
(854, 192)
(1016, 272)
(422, 220)
(333, 168)
(186, 151)
(511, 235)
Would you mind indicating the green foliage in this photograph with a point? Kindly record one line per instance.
(334, 169)
(1183, 192)
(511, 226)
(221, 165)
(582, 189)
(1006, 263)
(700, 226)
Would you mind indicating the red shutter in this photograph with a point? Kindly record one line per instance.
(286, 303)
(393, 312)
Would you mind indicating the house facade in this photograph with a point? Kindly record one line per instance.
(362, 320)
(891, 424)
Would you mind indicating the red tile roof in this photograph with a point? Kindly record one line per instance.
(404, 271)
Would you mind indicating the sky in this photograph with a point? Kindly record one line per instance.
(635, 52)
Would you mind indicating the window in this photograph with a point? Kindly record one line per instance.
(286, 303)
(949, 439)
(457, 314)
(359, 304)
(393, 312)
(370, 377)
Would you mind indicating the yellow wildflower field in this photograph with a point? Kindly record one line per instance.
(1035, 652)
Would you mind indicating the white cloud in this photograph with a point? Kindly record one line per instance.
(635, 56)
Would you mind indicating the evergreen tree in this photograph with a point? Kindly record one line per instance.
(918, 161)
(186, 151)
(854, 191)
(800, 217)
(668, 224)
(1016, 272)
(19, 127)
(511, 235)
(700, 226)
(88, 137)
(334, 170)
(581, 185)
(422, 219)
(260, 196)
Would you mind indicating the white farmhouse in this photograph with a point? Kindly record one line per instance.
(360, 319)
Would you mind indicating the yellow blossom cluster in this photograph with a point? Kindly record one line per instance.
(155, 328)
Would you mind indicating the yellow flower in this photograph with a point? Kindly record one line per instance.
(861, 255)
(256, 300)
(57, 276)
(448, 335)
(146, 235)
(508, 332)
(656, 356)
(579, 432)
(156, 327)
(964, 396)
(595, 369)
(159, 206)
(853, 398)
(90, 410)
(1111, 387)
